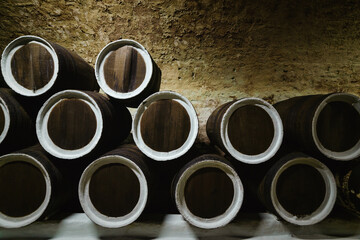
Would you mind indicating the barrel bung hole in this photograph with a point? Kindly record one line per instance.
(301, 190)
(250, 130)
(165, 125)
(338, 126)
(124, 69)
(32, 66)
(209, 192)
(71, 124)
(22, 187)
(114, 190)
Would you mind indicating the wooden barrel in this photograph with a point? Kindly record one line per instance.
(17, 130)
(72, 124)
(165, 126)
(113, 190)
(33, 66)
(348, 183)
(323, 124)
(249, 129)
(208, 192)
(300, 189)
(125, 71)
(30, 187)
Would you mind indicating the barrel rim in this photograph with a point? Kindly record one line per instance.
(7, 118)
(92, 212)
(16, 222)
(229, 214)
(278, 131)
(99, 68)
(194, 125)
(329, 200)
(349, 154)
(6, 58)
(43, 117)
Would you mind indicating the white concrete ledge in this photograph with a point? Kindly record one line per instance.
(246, 226)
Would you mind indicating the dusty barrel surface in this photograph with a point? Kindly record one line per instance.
(300, 189)
(348, 183)
(33, 66)
(114, 189)
(29, 187)
(72, 124)
(17, 129)
(249, 129)
(125, 71)
(208, 192)
(165, 126)
(323, 124)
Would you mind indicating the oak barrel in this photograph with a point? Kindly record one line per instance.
(17, 129)
(113, 190)
(327, 125)
(299, 188)
(30, 187)
(33, 66)
(165, 126)
(249, 129)
(208, 192)
(125, 71)
(73, 123)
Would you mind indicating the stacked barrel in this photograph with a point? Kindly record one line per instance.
(64, 145)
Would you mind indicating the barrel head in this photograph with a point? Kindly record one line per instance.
(165, 125)
(22, 188)
(124, 69)
(250, 130)
(32, 66)
(71, 124)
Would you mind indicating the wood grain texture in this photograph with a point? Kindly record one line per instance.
(22, 188)
(300, 190)
(32, 66)
(2, 120)
(124, 69)
(250, 130)
(165, 125)
(338, 126)
(208, 192)
(114, 190)
(72, 124)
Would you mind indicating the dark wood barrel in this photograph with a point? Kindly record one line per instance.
(125, 71)
(17, 129)
(114, 189)
(326, 125)
(208, 192)
(348, 183)
(30, 187)
(300, 189)
(165, 126)
(33, 66)
(72, 124)
(250, 130)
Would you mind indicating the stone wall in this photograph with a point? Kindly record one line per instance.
(211, 51)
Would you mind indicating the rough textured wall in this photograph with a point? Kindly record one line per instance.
(211, 51)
